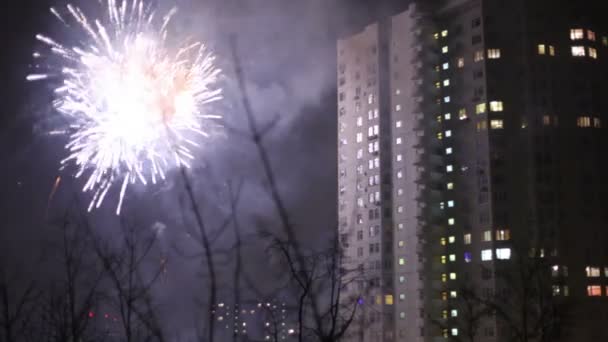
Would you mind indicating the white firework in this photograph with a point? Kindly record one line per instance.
(136, 106)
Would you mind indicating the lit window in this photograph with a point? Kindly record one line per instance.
(397, 107)
(446, 82)
(400, 209)
(399, 192)
(450, 204)
(467, 239)
(398, 141)
(496, 106)
(486, 255)
(546, 120)
(401, 243)
(439, 135)
(359, 137)
(453, 294)
(444, 277)
(398, 124)
(556, 290)
(444, 33)
(451, 239)
(400, 226)
(577, 34)
(478, 56)
(482, 125)
(578, 51)
(436, 35)
(597, 123)
(503, 235)
(551, 50)
(451, 221)
(443, 241)
(468, 257)
(444, 49)
(447, 116)
(399, 157)
(443, 259)
(592, 272)
(606, 272)
(503, 253)
(594, 290)
(462, 113)
(541, 49)
(450, 186)
(446, 99)
(454, 331)
(583, 121)
(360, 121)
(370, 99)
(493, 53)
(452, 257)
(593, 53)
(605, 41)
(448, 134)
(437, 85)
(449, 168)
(452, 276)
(454, 313)
(401, 261)
(480, 108)
(388, 299)
(591, 35)
(446, 66)
(496, 124)
(402, 296)
(402, 315)
(460, 62)
(487, 235)
(448, 150)
(402, 279)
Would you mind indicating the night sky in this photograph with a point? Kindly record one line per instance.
(288, 53)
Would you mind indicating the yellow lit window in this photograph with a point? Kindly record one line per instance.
(480, 108)
(592, 272)
(437, 85)
(551, 50)
(401, 261)
(436, 35)
(496, 106)
(478, 56)
(451, 221)
(591, 35)
(450, 186)
(444, 277)
(444, 314)
(443, 241)
(493, 53)
(605, 41)
(452, 276)
(482, 125)
(577, 34)
(439, 135)
(462, 113)
(583, 121)
(388, 299)
(444, 295)
(467, 239)
(503, 235)
(443, 259)
(593, 53)
(541, 49)
(578, 51)
(496, 124)
(487, 235)
(444, 33)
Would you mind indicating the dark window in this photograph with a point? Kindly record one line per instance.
(476, 22)
(476, 39)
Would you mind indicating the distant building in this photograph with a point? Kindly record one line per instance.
(471, 139)
(263, 321)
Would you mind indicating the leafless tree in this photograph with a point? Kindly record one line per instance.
(18, 301)
(132, 270)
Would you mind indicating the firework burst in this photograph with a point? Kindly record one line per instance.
(136, 107)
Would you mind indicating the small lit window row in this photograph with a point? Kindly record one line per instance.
(501, 235)
(443, 34)
(579, 34)
(596, 291)
(587, 121)
(495, 106)
(581, 51)
(594, 272)
(546, 50)
(501, 254)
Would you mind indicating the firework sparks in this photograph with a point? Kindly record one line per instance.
(136, 107)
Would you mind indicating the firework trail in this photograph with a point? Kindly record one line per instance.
(136, 106)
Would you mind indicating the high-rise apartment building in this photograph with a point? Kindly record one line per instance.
(471, 147)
